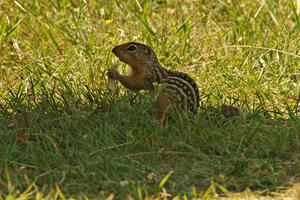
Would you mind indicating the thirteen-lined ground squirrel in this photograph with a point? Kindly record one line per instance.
(178, 88)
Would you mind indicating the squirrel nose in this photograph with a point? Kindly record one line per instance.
(114, 50)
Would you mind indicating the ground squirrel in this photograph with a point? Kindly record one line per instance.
(178, 88)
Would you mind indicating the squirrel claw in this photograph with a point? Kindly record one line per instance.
(112, 74)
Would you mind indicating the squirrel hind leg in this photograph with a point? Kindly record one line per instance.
(163, 103)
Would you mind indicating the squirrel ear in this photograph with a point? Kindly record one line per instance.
(148, 50)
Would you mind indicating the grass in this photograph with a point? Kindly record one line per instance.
(60, 127)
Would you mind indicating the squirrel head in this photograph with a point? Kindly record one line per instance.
(136, 55)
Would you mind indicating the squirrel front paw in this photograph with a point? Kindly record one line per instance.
(112, 73)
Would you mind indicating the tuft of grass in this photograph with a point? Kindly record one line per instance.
(60, 127)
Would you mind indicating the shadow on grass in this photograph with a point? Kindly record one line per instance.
(90, 142)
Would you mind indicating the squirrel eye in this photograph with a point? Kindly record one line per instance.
(131, 48)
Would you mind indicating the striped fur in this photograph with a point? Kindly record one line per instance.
(185, 88)
(180, 86)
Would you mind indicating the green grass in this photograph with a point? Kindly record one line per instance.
(60, 126)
